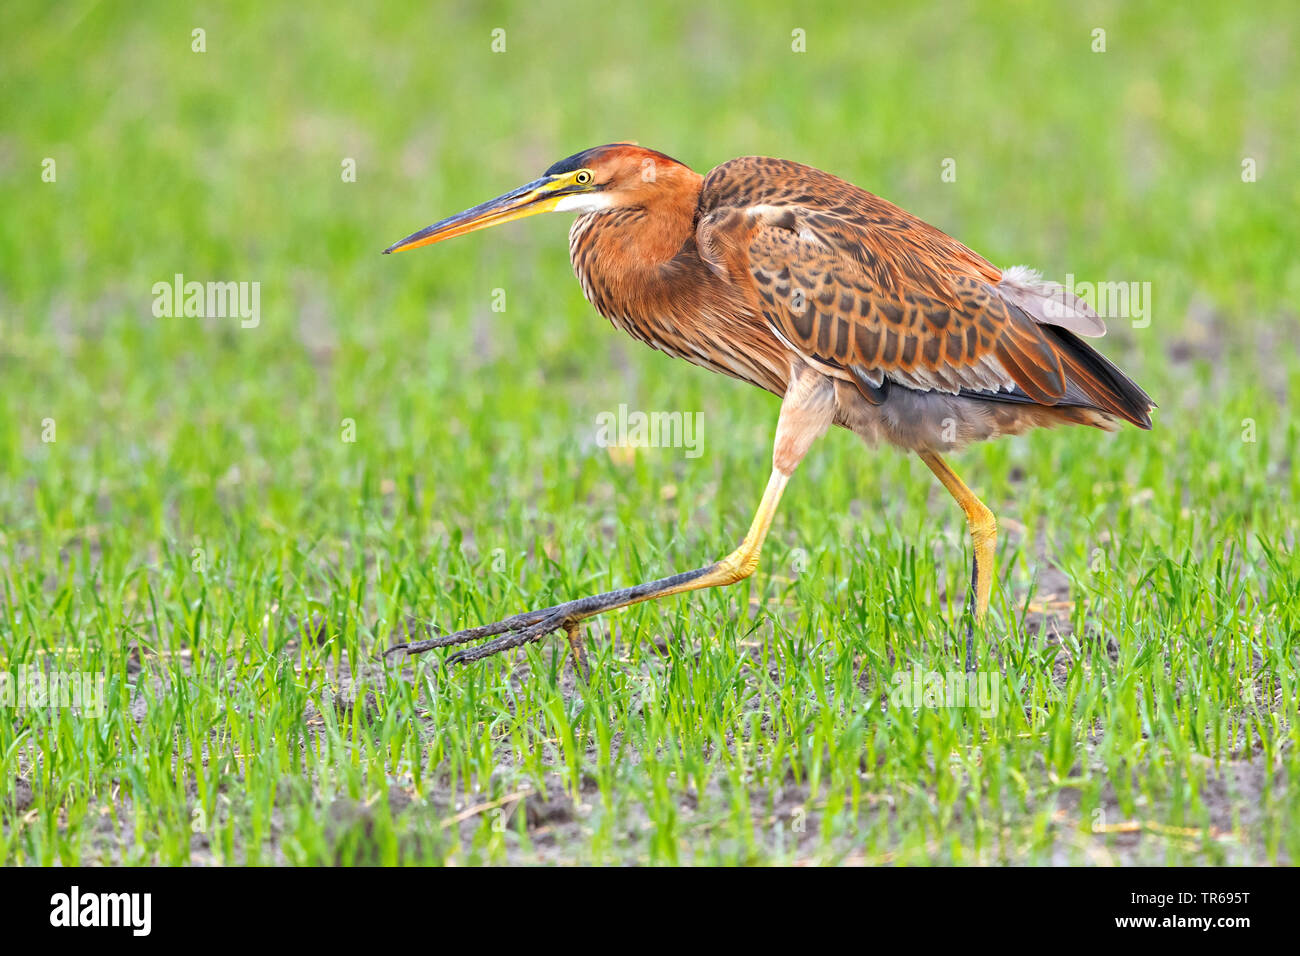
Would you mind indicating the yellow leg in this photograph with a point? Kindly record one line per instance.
(983, 531)
(532, 625)
(742, 562)
(806, 412)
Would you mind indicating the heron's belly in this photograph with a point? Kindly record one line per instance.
(939, 422)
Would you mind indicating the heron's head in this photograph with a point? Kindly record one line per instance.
(600, 178)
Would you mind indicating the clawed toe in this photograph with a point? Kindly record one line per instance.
(510, 625)
(524, 635)
(517, 631)
(534, 625)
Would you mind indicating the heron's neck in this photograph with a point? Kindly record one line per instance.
(627, 245)
(640, 268)
(668, 221)
(629, 258)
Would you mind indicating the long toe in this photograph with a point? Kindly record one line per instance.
(534, 632)
(516, 623)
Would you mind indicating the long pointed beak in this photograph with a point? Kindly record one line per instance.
(541, 195)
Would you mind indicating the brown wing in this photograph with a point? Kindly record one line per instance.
(856, 284)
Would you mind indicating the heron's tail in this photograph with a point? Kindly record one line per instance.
(1094, 380)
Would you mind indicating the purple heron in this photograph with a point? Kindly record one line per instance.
(851, 310)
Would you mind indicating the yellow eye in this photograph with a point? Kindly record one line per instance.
(583, 178)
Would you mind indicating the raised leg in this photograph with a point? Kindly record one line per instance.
(984, 538)
(806, 413)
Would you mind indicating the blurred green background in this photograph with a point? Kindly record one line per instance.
(199, 487)
(222, 165)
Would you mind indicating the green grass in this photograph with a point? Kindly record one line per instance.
(200, 535)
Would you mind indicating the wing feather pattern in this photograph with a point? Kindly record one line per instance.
(870, 293)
